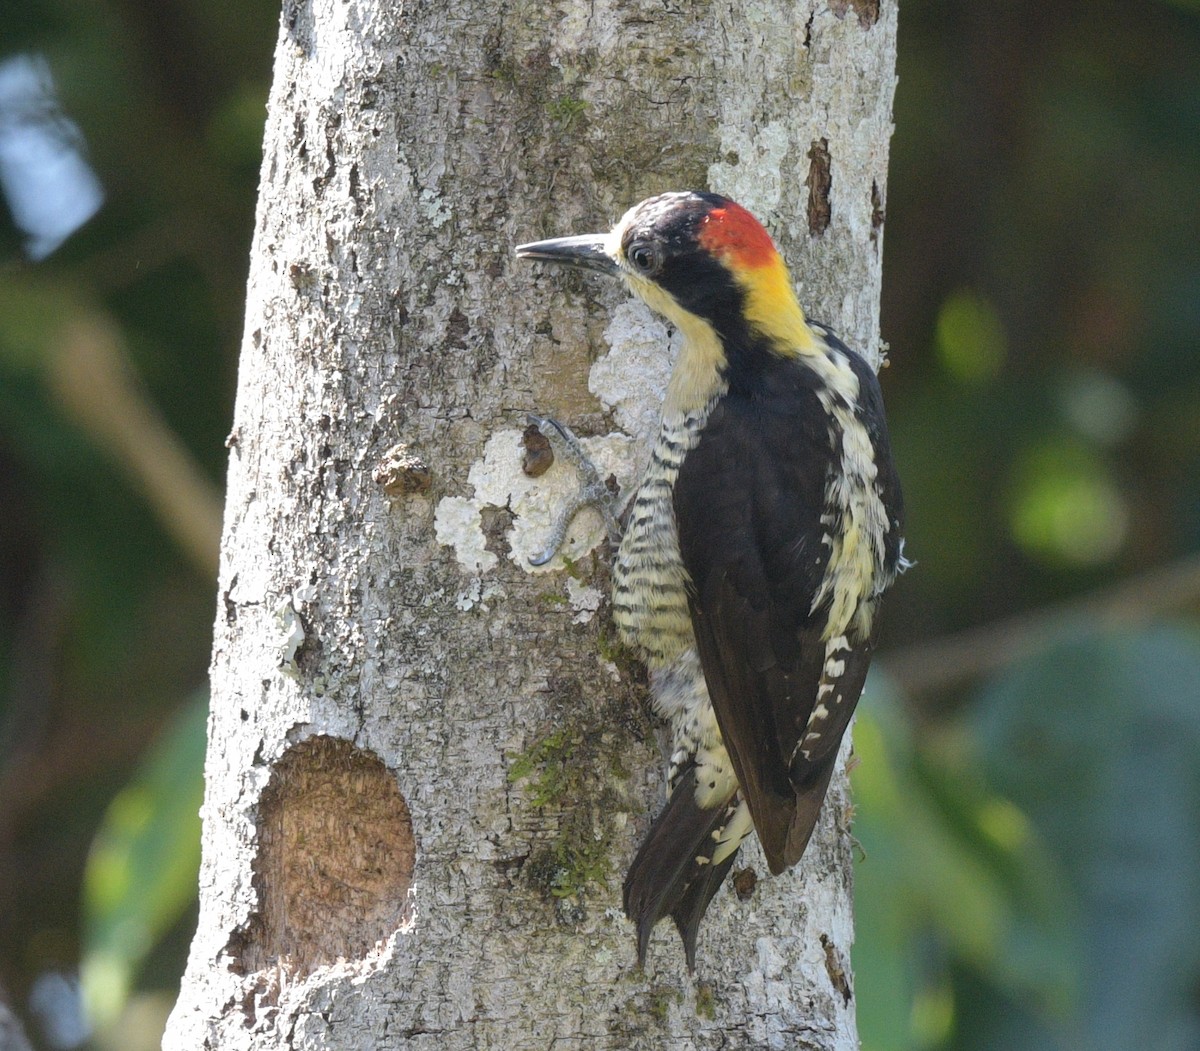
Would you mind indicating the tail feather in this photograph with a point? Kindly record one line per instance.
(694, 904)
(807, 808)
(673, 873)
(690, 849)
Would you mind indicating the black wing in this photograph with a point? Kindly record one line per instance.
(748, 505)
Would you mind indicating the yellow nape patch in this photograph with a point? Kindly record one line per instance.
(772, 308)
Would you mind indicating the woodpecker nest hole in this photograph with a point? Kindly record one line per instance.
(335, 860)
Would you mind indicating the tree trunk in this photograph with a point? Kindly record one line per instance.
(428, 765)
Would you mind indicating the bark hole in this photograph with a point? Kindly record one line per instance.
(820, 182)
(334, 863)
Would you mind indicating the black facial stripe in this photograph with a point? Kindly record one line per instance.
(704, 287)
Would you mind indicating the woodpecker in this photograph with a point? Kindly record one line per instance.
(755, 551)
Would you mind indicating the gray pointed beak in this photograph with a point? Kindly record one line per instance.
(587, 251)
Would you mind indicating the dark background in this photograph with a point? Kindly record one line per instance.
(1029, 792)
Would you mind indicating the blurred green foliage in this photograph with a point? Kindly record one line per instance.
(1042, 301)
(1030, 841)
(1030, 872)
(105, 622)
(142, 871)
(1108, 774)
(949, 871)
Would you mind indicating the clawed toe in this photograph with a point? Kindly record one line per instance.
(593, 492)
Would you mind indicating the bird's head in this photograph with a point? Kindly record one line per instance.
(702, 261)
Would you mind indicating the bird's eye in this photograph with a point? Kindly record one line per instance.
(645, 257)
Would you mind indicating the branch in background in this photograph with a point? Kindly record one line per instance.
(92, 379)
(957, 659)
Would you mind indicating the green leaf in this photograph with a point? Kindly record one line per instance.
(141, 874)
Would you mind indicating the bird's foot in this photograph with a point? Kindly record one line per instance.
(594, 492)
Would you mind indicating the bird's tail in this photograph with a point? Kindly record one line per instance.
(682, 863)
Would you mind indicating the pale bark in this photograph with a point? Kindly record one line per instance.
(377, 871)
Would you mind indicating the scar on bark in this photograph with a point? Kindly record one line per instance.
(877, 213)
(867, 10)
(335, 860)
(835, 967)
(820, 182)
(401, 471)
